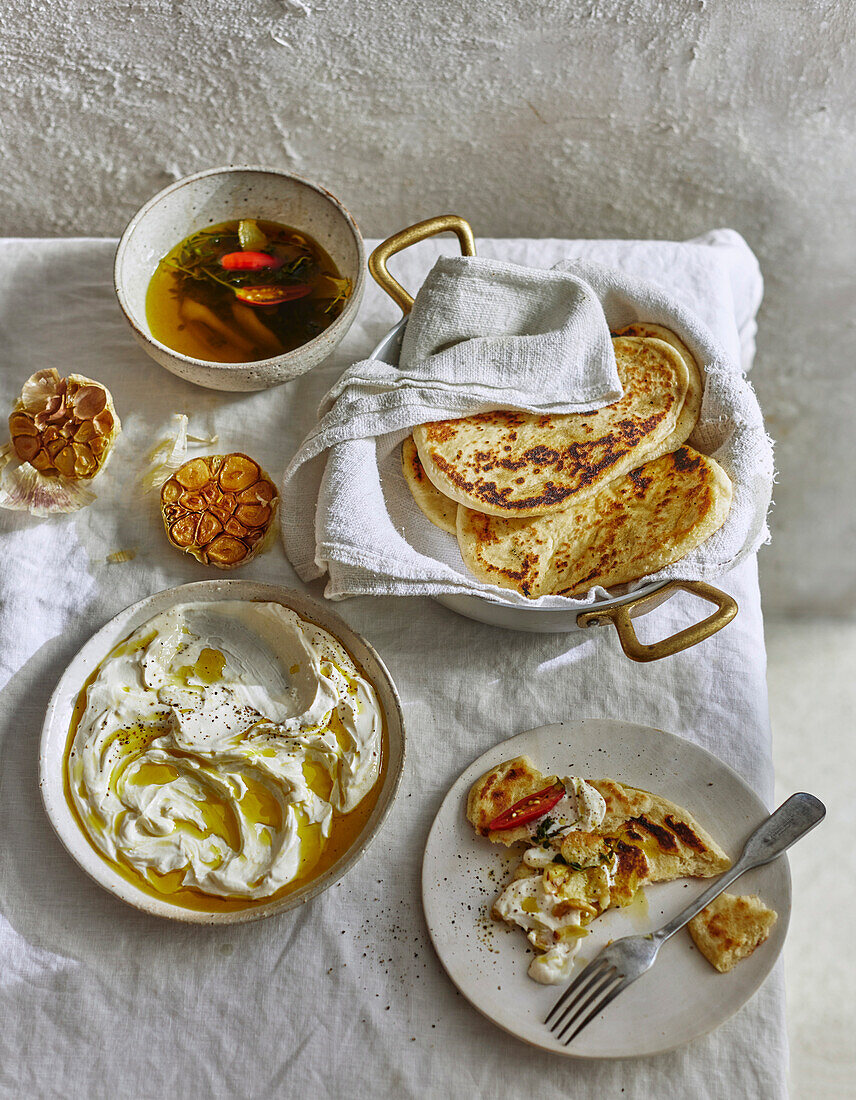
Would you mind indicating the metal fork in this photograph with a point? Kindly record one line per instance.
(620, 963)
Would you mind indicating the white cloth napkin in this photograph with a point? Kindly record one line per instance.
(360, 523)
(345, 996)
(483, 332)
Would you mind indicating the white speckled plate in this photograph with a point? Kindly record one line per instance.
(682, 997)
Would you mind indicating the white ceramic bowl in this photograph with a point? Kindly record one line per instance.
(58, 718)
(218, 195)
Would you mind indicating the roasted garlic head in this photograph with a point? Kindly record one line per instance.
(64, 427)
(219, 508)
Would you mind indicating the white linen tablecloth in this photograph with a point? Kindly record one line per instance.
(344, 997)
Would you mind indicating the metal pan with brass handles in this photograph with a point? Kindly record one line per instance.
(618, 610)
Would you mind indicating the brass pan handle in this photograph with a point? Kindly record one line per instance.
(444, 223)
(620, 617)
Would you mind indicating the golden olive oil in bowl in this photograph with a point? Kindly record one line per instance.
(243, 291)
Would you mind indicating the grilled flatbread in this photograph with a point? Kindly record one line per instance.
(730, 928)
(565, 881)
(498, 790)
(439, 509)
(648, 519)
(672, 841)
(692, 403)
(513, 464)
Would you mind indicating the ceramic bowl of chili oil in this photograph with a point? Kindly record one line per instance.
(240, 278)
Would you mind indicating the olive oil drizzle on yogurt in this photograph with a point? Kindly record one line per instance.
(258, 804)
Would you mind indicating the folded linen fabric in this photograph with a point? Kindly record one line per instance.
(484, 333)
(362, 526)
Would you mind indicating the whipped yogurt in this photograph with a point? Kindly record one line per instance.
(528, 903)
(218, 741)
(581, 808)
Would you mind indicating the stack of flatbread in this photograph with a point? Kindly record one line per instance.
(556, 504)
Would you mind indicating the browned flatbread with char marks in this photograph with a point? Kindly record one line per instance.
(518, 464)
(636, 525)
(691, 408)
(498, 790)
(673, 841)
(730, 928)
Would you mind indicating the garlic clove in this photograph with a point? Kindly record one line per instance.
(26, 446)
(20, 424)
(226, 552)
(252, 515)
(193, 474)
(41, 461)
(238, 472)
(88, 401)
(104, 422)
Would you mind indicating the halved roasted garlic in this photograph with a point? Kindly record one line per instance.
(219, 508)
(64, 427)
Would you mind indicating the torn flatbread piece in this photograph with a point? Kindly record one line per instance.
(497, 791)
(730, 928)
(674, 842)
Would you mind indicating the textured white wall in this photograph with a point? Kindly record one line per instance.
(617, 118)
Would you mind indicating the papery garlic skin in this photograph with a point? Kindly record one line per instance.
(23, 489)
(170, 452)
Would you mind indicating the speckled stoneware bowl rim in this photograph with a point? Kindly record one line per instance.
(58, 717)
(342, 322)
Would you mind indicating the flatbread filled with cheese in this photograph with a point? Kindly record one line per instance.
(591, 845)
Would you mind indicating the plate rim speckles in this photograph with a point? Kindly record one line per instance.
(55, 729)
(683, 996)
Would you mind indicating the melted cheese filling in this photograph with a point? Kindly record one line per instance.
(552, 927)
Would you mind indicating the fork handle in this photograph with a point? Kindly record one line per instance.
(792, 820)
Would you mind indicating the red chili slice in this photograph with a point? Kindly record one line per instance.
(271, 295)
(248, 261)
(528, 808)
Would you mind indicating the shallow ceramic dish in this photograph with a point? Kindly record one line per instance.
(682, 997)
(56, 728)
(223, 194)
(619, 610)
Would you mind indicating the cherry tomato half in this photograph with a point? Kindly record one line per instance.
(528, 808)
(271, 295)
(248, 261)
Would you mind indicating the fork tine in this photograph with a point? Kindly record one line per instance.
(596, 1011)
(582, 992)
(560, 1028)
(597, 964)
